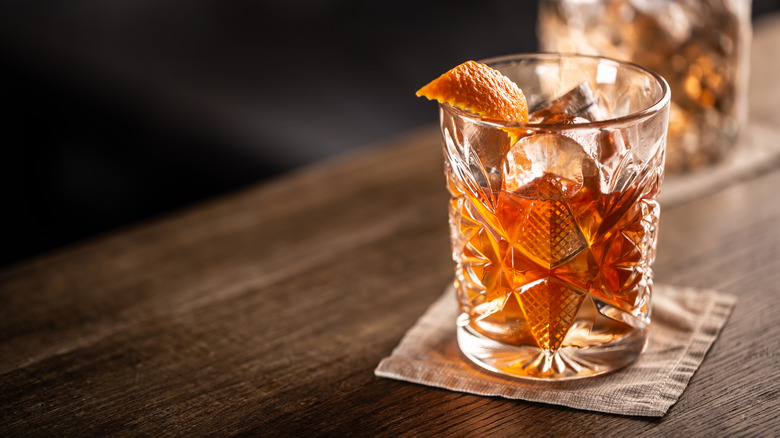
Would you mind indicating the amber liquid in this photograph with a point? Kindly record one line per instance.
(528, 261)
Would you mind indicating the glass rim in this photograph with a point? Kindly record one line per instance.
(628, 119)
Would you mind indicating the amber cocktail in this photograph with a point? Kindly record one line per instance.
(554, 221)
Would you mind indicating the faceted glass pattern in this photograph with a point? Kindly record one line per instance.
(554, 235)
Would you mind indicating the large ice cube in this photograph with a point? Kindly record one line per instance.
(484, 147)
(613, 159)
(557, 155)
(580, 101)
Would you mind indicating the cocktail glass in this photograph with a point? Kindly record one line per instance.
(554, 222)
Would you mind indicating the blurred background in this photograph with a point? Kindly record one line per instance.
(121, 111)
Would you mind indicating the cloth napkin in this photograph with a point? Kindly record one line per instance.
(685, 323)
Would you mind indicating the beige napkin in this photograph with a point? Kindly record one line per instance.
(685, 322)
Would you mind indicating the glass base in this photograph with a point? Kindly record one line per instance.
(567, 363)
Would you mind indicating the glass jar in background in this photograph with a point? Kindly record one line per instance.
(701, 47)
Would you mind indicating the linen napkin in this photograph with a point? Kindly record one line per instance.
(685, 323)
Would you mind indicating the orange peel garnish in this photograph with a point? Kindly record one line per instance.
(480, 89)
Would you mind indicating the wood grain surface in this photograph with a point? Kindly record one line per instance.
(265, 312)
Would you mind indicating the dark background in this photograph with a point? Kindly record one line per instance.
(120, 111)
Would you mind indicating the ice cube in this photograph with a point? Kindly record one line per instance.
(612, 151)
(566, 119)
(580, 101)
(485, 147)
(557, 155)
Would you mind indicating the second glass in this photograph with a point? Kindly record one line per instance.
(701, 47)
(554, 222)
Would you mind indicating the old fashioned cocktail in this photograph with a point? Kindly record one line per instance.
(554, 221)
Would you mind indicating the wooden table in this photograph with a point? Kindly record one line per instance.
(265, 312)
